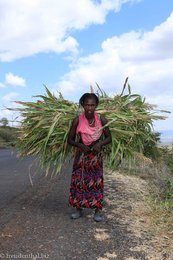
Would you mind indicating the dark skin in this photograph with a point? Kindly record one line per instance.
(89, 108)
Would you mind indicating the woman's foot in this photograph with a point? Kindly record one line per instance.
(97, 215)
(77, 214)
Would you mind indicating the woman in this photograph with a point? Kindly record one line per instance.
(86, 189)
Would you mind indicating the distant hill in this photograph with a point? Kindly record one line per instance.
(166, 137)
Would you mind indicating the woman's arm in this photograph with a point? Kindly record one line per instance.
(72, 135)
(107, 133)
(72, 132)
(107, 136)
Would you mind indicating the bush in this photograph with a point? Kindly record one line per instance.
(8, 136)
(166, 154)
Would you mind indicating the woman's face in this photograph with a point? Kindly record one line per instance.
(89, 107)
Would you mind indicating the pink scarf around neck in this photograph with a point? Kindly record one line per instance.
(89, 134)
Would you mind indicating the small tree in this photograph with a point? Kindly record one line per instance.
(4, 121)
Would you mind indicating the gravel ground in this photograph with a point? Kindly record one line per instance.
(37, 225)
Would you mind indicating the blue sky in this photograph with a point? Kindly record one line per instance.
(69, 45)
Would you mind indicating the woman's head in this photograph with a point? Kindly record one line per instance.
(87, 96)
(89, 101)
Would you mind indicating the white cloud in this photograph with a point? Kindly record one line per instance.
(146, 57)
(31, 27)
(2, 85)
(140, 47)
(14, 80)
(10, 96)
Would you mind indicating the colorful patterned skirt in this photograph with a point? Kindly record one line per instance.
(86, 189)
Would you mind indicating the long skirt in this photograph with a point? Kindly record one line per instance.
(86, 188)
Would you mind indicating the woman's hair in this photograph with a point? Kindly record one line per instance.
(86, 96)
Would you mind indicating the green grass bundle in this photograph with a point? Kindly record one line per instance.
(45, 125)
(130, 120)
(44, 128)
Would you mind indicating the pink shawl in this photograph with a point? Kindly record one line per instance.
(88, 133)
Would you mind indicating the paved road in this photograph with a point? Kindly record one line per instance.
(14, 175)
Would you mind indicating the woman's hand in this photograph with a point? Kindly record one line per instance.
(97, 147)
(84, 148)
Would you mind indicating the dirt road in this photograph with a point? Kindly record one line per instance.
(36, 224)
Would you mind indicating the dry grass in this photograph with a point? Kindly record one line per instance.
(142, 219)
(158, 208)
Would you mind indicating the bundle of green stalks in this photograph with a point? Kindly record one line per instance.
(44, 129)
(45, 125)
(130, 120)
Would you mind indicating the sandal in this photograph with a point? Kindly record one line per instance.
(77, 214)
(97, 216)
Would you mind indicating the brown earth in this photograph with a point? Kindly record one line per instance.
(37, 225)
